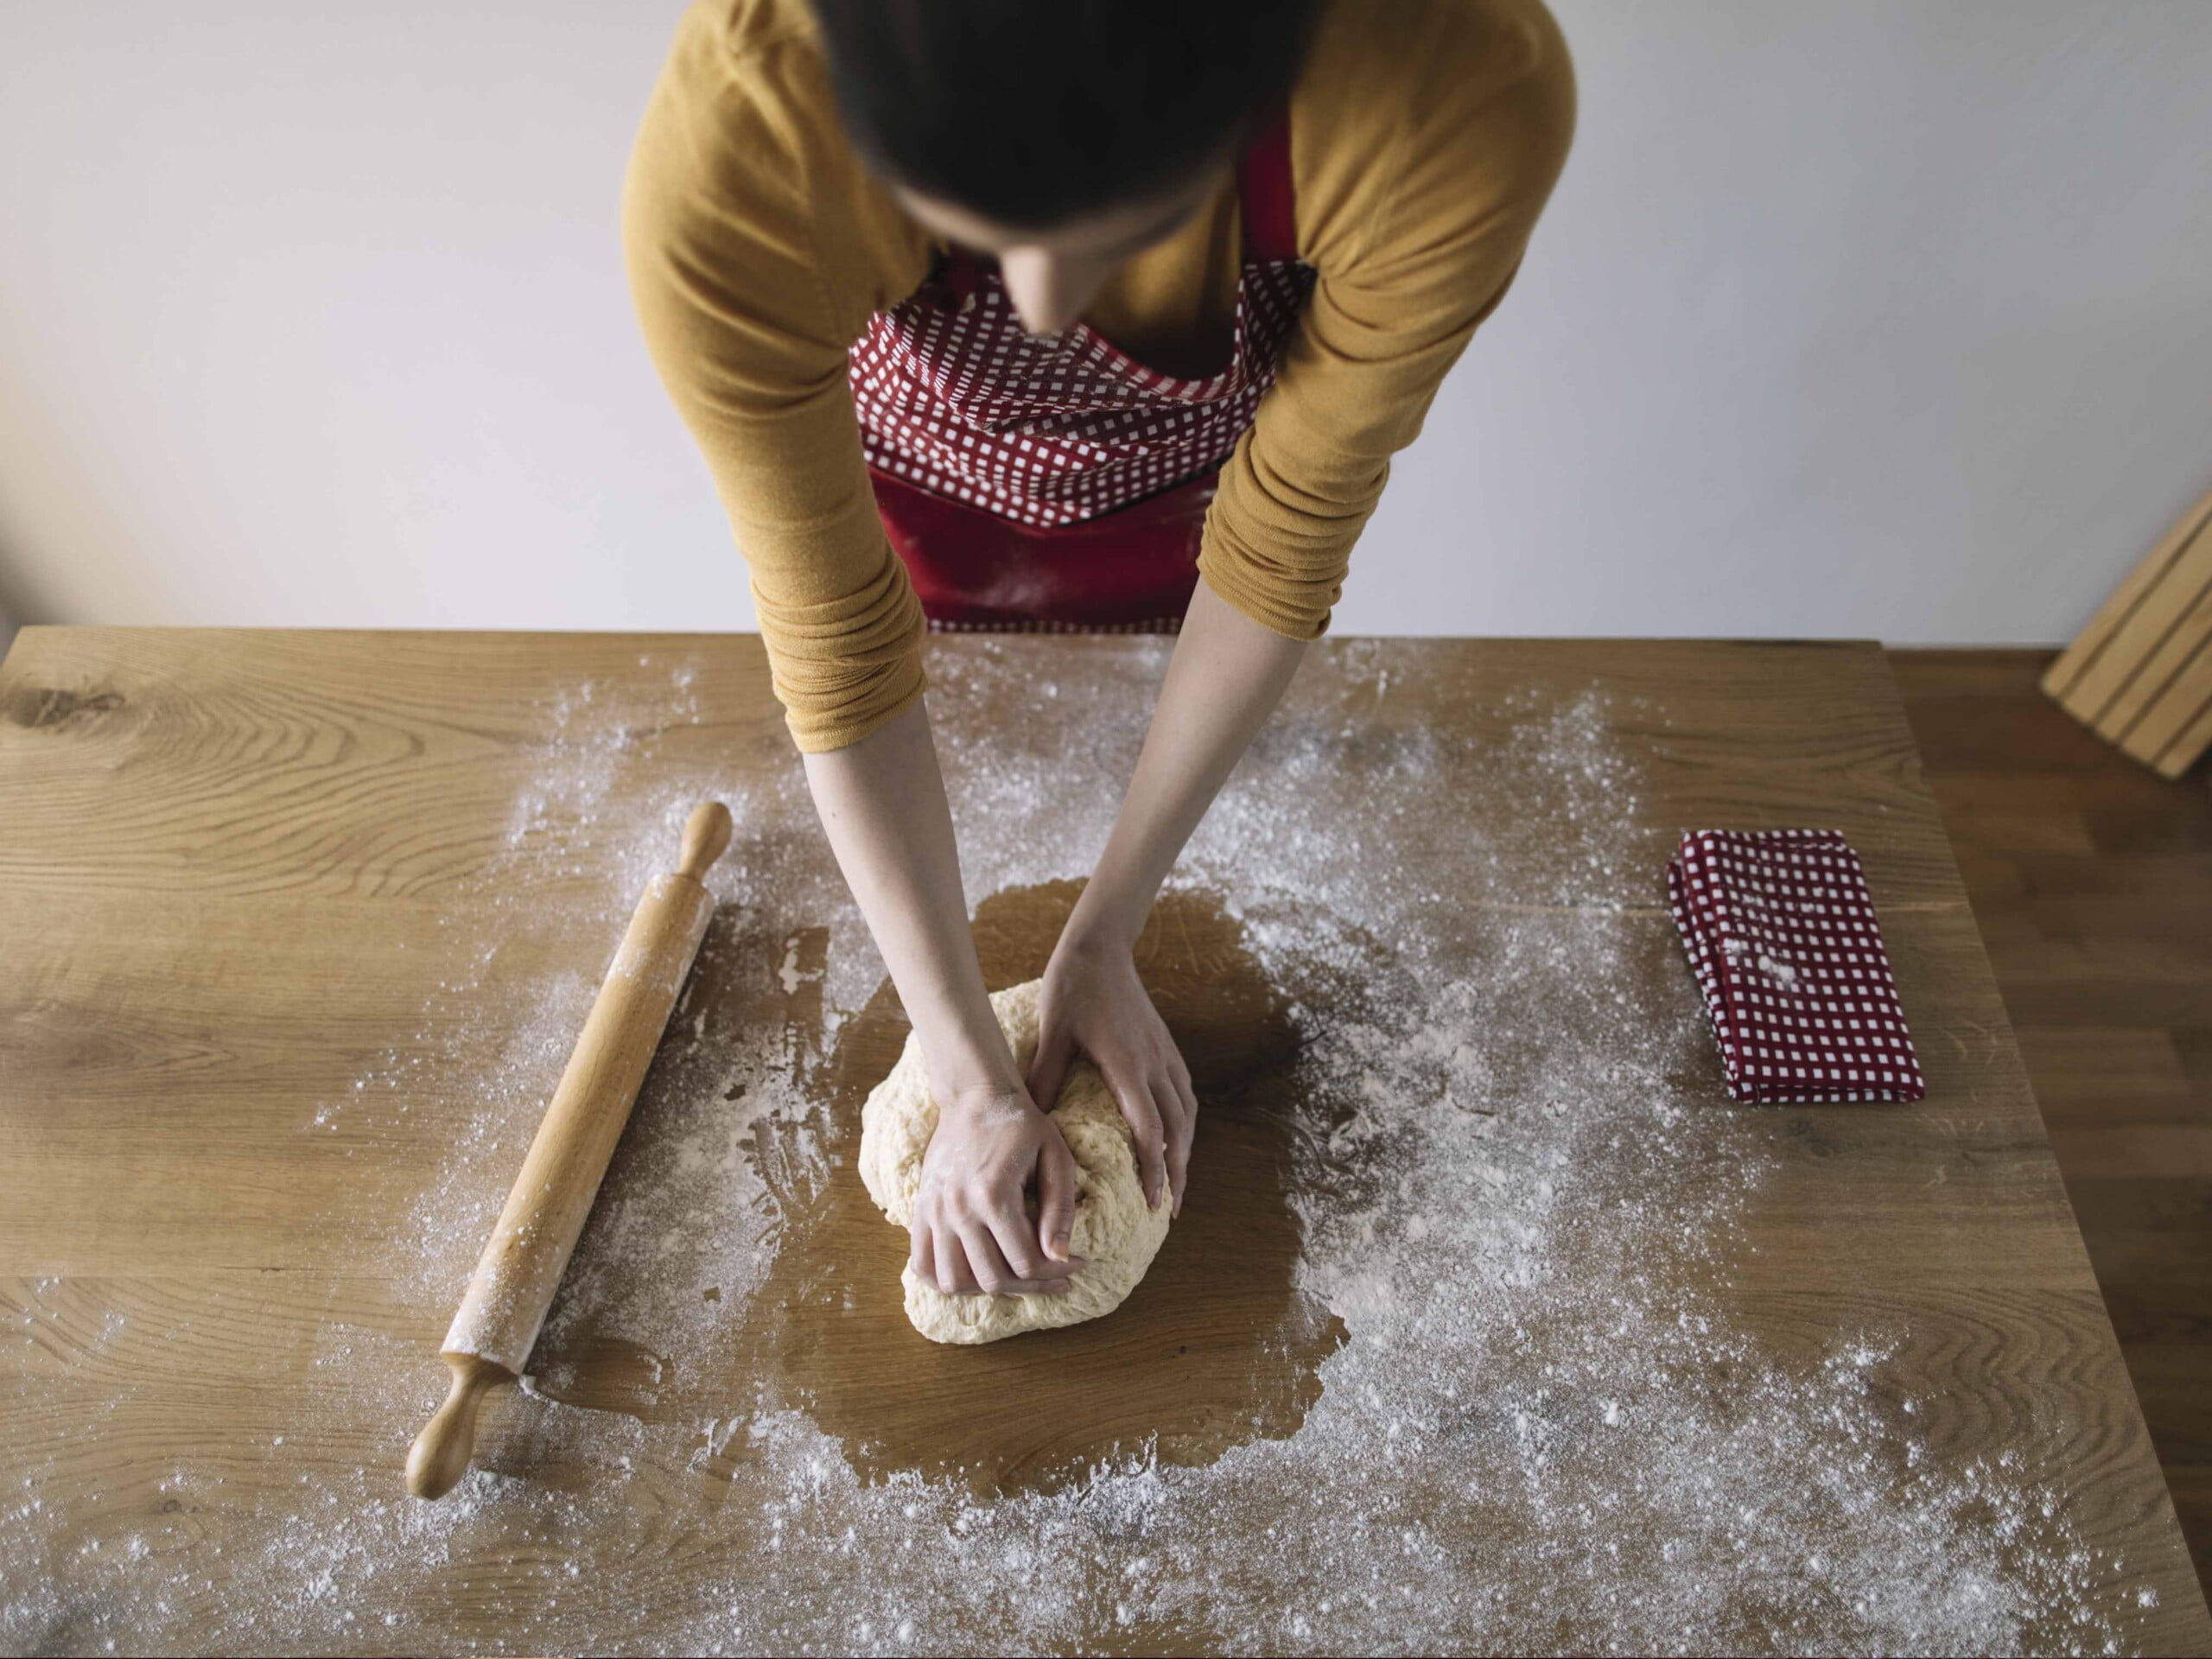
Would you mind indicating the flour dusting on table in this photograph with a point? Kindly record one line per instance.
(1523, 1199)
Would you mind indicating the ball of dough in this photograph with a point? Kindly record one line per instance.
(1117, 1233)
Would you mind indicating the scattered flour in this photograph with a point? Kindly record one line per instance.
(1566, 1442)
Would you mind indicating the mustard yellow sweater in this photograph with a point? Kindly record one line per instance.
(1425, 136)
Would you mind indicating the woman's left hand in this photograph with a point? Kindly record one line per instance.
(1094, 1004)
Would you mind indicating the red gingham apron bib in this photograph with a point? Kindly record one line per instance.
(1055, 484)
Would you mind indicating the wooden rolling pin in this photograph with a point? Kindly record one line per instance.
(515, 1279)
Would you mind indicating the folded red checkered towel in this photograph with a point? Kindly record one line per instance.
(1781, 931)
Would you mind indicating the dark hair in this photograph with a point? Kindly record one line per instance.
(1031, 112)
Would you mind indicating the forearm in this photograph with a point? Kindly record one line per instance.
(1224, 680)
(883, 804)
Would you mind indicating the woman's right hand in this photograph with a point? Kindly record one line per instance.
(883, 807)
(972, 1230)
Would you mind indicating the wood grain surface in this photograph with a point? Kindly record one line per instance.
(2092, 882)
(298, 927)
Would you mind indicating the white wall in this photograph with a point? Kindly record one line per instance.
(1849, 319)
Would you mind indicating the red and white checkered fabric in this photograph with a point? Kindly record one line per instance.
(1782, 934)
(955, 396)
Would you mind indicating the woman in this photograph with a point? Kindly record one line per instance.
(1064, 314)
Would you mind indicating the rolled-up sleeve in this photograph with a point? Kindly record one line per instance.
(738, 318)
(1445, 206)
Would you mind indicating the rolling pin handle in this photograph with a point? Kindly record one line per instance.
(440, 1456)
(706, 838)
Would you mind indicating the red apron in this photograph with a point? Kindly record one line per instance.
(1054, 484)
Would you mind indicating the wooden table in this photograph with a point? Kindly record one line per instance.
(298, 927)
